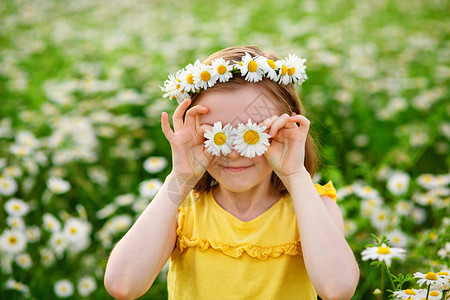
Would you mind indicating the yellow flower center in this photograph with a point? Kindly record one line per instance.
(16, 207)
(291, 71)
(12, 240)
(178, 86)
(240, 63)
(73, 230)
(190, 79)
(383, 250)
(252, 66)
(434, 293)
(220, 138)
(410, 292)
(251, 137)
(151, 185)
(271, 63)
(221, 69)
(283, 70)
(443, 273)
(205, 75)
(431, 276)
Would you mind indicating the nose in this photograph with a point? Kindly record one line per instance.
(233, 154)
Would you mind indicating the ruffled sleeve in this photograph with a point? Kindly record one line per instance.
(326, 190)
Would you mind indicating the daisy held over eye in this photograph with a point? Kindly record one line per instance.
(239, 215)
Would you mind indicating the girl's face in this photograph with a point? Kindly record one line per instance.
(233, 171)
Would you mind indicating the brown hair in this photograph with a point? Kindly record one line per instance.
(288, 102)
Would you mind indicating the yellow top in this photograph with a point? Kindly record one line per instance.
(218, 256)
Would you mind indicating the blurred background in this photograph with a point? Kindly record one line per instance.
(82, 152)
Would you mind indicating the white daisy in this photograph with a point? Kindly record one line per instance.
(51, 223)
(33, 233)
(125, 199)
(398, 183)
(366, 192)
(155, 164)
(13, 241)
(12, 284)
(250, 139)
(47, 256)
(397, 238)
(427, 181)
(106, 211)
(119, 223)
(292, 70)
(16, 207)
(86, 286)
(350, 227)
(403, 207)
(269, 67)
(418, 214)
(149, 188)
(405, 294)
(187, 77)
(8, 186)
(172, 87)
(27, 138)
(63, 288)
(250, 68)
(15, 222)
(430, 278)
(344, 191)
(58, 185)
(383, 253)
(219, 140)
(380, 218)
(76, 229)
(58, 243)
(369, 205)
(20, 150)
(24, 261)
(12, 171)
(203, 76)
(222, 69)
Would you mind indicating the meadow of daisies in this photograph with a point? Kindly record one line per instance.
(82, 152)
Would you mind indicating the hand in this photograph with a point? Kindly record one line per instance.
(286, 153)
(190, 159)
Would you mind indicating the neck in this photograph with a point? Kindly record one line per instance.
(247, 204)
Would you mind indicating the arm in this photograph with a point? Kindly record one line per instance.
(139, 256)
(329, 260)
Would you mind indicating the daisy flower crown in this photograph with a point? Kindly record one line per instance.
(196, 77)
(248, 139)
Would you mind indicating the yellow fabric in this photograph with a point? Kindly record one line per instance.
(218, 256)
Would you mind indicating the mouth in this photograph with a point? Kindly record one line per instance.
(236, 168)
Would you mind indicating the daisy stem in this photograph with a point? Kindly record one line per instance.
(382, 283)
(428, 291)
(390, 277)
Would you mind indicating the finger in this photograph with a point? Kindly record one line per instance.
(268, 122)
(304, 122)
(168, 133)
(178, 114)
(189, 120)
(202, 129)
(279, 123)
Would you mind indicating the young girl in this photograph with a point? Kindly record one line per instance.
(239, 215)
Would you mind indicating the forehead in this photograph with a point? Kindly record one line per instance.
(236, 106)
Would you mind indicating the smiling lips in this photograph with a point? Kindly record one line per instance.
(236, 168)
